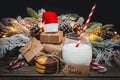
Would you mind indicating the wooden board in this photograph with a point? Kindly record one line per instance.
(29, 73)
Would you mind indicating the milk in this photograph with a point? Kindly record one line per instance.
(77, 55)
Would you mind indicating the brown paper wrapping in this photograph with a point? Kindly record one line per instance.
(68, 41)
(51, 37)
(51, 48)
(31, 49)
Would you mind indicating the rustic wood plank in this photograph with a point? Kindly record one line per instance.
(54, 78)
(30, 73)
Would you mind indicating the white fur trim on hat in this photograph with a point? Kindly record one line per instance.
(53, 27)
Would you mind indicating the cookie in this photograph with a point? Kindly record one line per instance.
(46, 61)
(45, 67)
(42, 71)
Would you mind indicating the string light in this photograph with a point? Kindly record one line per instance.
(12, 29)
(72, 25)
(115, 32)
(108, 28)
(41, 27)
(4, 36)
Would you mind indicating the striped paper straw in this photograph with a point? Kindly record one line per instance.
(86, 24)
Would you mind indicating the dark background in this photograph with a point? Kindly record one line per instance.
(106, 11)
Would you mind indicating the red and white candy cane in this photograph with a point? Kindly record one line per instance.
(86, 24)
(97, 67)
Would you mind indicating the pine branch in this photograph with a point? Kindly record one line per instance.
(32, 13)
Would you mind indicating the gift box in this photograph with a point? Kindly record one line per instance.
(53, 48)
(56, 37)
(31, 49)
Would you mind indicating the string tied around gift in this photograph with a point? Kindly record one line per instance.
(86, 24)
(54, 56)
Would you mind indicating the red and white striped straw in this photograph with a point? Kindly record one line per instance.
(86, 24)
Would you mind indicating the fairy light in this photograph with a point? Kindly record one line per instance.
(4, 36)
(91, 37)
(14, 21)
(108, 28)
(115, 32)
(98, 27)
(41, 27)
(79, 30)
(12, 29)
(72, 25)
(97, 30)
(75, 28)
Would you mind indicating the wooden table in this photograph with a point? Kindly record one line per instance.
(30, 73)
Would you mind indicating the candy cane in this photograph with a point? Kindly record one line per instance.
(86, 24)
(97, 67)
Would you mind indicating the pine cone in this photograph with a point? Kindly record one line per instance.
(35, 31)
(107, 34)
(65, 27)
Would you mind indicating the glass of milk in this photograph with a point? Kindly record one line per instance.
(78, 55)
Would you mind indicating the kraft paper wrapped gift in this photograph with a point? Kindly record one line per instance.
(56, 37)
(31, 49)
(51, 48)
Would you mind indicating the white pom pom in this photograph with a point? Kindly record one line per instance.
(20, 56)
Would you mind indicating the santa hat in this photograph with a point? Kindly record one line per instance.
(50, 21)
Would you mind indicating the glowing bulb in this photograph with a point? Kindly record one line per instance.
(108, 28)
(115, 32)
(14, 21)
(72, 24)
(4, 36)
(98, 27)
(92, 38)
(12, 29)
(40, 26)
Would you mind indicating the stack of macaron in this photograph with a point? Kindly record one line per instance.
(47, 64)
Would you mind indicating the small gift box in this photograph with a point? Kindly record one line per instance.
(31, 49)
(56, 37)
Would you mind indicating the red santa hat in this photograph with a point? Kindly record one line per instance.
(50, 21)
